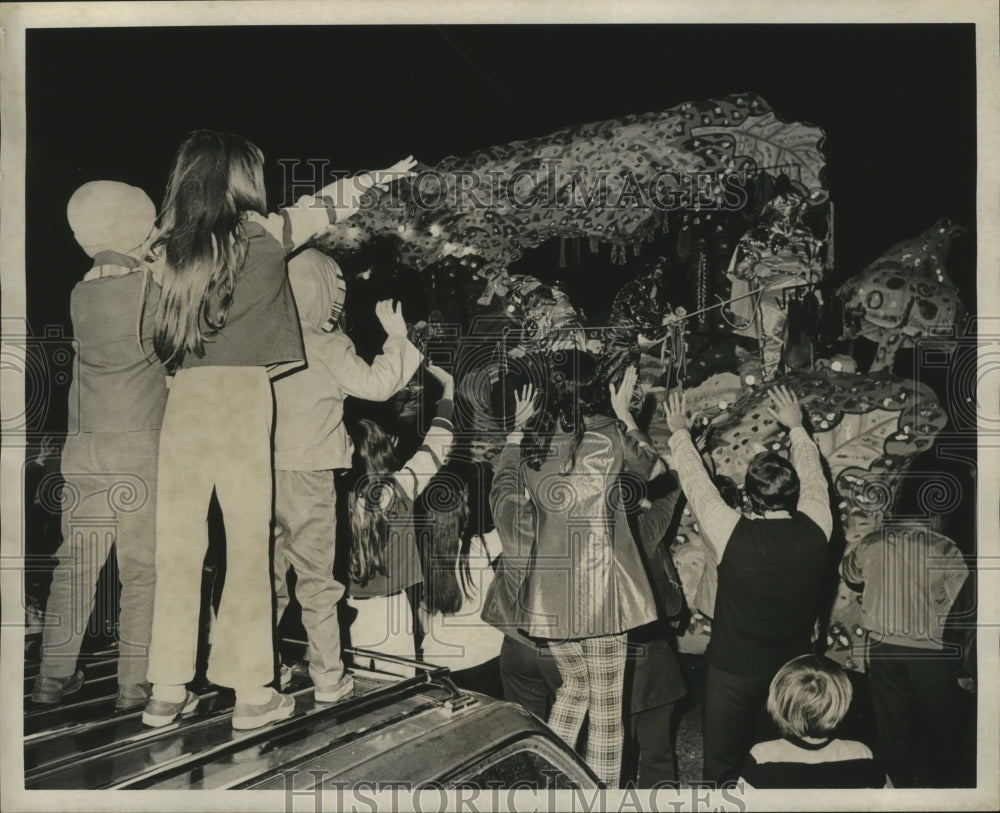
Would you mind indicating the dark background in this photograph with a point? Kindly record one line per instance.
(897, 103)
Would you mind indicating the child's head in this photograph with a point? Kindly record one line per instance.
(771, 484)
(374, 448)
(809, 696)
(110, 216)
(319, 289)
(216, 178)
(570, 391)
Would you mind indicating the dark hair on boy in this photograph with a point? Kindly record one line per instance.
(771, 484)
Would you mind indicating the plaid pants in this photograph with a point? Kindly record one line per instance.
(592, 671)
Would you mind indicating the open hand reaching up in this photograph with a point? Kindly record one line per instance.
(524, 406)
(391, 318)
(621, 398)
(786, 407)
(675, 411)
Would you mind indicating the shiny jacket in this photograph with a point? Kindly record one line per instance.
(586, 577)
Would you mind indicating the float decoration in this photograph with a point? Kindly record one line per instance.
(786, 249)
(905, 295)
(591, 181)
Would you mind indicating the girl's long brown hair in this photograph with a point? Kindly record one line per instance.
(367, 503)
(571, 394)
(446, 545)
(215, 179)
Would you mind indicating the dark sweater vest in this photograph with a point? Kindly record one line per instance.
(769, 587)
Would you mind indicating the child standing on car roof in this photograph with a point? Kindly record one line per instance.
(110, 454)
(310, 441)
(225, 325)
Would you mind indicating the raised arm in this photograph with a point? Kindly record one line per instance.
(814, 498)
(389, 372)
(716, 519)
(513, 511)
(420, 469)
(295, 225)
(641, 456)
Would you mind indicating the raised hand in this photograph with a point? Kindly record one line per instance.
(391, 318)
(524, 406)
(675, 411)
(786, 407)
(401, 169)
(621, 398)
(446, 379)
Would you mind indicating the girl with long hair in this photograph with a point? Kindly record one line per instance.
(459, 553)
(225, 325)
(586, 586)
(384, 561)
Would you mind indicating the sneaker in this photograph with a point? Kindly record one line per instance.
(163, 712)
(247, 715)
(131, 696)
(50, 690)
(345, 688)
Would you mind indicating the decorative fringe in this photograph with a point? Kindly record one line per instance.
(562, 252)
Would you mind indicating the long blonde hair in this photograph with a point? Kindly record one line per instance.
(215, 179)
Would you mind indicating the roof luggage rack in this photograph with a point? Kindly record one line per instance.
(208, 737)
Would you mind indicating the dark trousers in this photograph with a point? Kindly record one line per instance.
(529, 675)
(484, 678)
(917, 715)
(735, 718)
(649, 751)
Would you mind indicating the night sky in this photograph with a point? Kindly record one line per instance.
(897, 103)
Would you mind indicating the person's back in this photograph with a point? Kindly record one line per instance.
(769, 587)
(461, 640)
(309, 432)
(105, 312)
(116, 404)
(770, 569)
(588, 578)
(807, 699)
(310, 442)
(912, 575)
(793, 763)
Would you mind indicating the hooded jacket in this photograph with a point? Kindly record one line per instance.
(309, 419)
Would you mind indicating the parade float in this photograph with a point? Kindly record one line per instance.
(734, 200)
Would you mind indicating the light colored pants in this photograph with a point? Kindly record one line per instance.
(216, 434)
(384, 624)
(109, 500)
(305, 510)
(592, 671)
